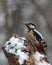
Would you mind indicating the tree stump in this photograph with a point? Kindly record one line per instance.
(14, 59)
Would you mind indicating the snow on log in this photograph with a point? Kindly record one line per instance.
(19, 52)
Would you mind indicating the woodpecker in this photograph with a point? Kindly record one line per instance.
(32, 32)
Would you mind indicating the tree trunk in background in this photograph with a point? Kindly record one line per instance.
(16, 17)
(6, 13)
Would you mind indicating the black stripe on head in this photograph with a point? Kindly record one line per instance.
(31, 24)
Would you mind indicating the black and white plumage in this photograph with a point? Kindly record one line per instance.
(38, 35)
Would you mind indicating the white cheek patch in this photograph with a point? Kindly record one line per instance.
(31, 26)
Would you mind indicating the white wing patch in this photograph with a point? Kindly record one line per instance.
(38, 33)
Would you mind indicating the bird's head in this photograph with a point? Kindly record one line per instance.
(30, 26)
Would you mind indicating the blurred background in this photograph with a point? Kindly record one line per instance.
(15, 12)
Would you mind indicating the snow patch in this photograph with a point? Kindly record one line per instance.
(37, 57)
(23, 56)
(15, 46)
